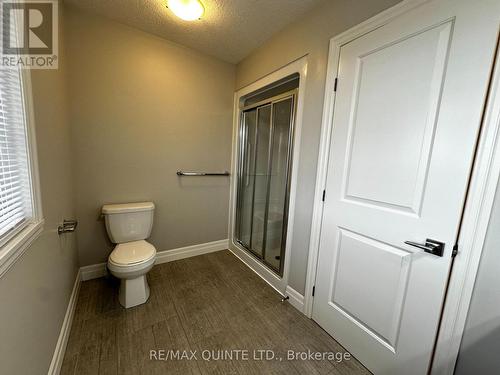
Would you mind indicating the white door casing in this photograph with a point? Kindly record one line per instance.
(405, 121)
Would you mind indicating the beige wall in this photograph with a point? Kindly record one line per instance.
(310, 35)
(35, 292)
(141, 108)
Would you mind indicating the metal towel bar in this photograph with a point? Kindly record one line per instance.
(182, 173)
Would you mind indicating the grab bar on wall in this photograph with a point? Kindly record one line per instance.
(182, 173)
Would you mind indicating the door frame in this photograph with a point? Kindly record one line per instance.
(280, 284)
(478, 206)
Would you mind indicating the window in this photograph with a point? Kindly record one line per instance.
(20, 213)
(16, 204)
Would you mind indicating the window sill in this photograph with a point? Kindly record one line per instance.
(12, 250)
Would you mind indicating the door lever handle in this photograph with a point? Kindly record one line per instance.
(431, 246)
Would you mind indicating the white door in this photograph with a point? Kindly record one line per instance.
(406, 118)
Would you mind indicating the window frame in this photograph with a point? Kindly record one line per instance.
(21, 238)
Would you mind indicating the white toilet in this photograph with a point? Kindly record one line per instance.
(128, 225)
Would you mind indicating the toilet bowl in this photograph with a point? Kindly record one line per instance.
(128, 225)
(130, 262)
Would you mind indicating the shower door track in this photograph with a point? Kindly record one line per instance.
(273, 99)
(243, 134)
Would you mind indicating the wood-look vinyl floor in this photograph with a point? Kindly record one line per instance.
(210, 305)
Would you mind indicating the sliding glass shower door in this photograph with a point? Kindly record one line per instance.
(266, 134)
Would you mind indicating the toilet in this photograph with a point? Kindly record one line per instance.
(129, 225)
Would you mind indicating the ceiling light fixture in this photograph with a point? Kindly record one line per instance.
(188, 10)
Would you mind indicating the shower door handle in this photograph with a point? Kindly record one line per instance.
(247, 168)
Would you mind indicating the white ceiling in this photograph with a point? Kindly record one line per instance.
(229, 30)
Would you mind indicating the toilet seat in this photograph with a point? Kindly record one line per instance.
(130, 271)
(132, 253)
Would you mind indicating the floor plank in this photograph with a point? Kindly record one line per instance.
(211, 305)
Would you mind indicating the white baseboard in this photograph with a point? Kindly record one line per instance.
(295, 298)
(95, 271)
(62, 341)
(190, 251)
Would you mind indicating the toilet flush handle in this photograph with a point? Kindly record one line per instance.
(67, 226)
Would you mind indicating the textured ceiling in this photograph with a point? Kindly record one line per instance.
(229, 30)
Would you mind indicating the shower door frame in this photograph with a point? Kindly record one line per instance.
(284, 285)
(242, 149)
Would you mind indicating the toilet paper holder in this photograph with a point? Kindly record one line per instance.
(68, 226)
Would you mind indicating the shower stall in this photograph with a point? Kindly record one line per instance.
(265, 140)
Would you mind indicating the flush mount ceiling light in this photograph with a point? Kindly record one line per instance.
(188, 10)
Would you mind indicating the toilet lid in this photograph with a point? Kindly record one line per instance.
(132, 252)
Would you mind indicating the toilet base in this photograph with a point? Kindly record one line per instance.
(133, 292)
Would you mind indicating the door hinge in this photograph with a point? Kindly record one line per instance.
(324, 195)
(455, 251)
(314, 289)
(335, 84)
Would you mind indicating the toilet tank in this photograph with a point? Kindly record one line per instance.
(128, 221)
